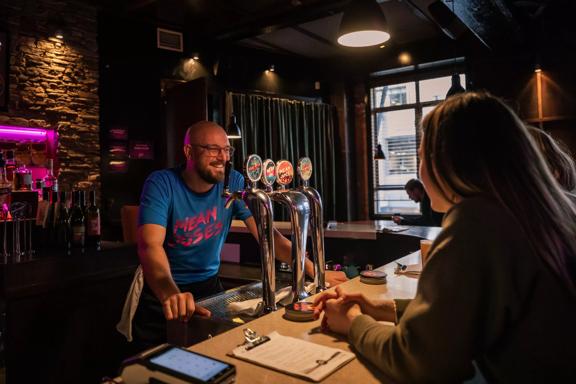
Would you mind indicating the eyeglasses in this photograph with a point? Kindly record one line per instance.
(214, 150)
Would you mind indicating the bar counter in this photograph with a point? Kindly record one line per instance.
(398, 286)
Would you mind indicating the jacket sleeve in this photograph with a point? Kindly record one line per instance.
(441, 328)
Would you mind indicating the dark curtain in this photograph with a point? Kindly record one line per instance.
(280, 128)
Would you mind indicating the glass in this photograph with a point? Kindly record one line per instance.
(397, 134)
(214, 150)
(435, 89)
(394, 95)
(394, 201)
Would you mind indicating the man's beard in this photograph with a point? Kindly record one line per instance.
(210, 177)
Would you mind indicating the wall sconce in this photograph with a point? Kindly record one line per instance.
(363, 25)
(233, 130)
(270, 69)
(195, 56)
(56, 27)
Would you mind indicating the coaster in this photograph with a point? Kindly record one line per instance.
(300, 311)
(373, 277)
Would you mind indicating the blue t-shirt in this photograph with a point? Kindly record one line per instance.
(196, 223)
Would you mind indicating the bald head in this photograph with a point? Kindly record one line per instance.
(205, 132)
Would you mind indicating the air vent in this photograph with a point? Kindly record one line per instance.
(170, 40)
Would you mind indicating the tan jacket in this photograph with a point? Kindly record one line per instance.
(485, 296)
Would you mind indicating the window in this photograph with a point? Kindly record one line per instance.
(396, 110)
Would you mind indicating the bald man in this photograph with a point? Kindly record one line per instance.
(182, 227)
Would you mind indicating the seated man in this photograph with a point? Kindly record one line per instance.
(428, 217)
(182, 226)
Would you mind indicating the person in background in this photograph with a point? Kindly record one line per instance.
(428, 217)
(558, 158)
(183, 224)
(496, 293)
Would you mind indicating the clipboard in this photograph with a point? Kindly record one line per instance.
(294, 356)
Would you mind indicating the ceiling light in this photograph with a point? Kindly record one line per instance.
(233, 130)
(363, 25)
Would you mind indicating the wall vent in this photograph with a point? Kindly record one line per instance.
(170, 40)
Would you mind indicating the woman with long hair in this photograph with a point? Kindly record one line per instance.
(499, 285)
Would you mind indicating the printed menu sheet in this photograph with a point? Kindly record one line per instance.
(295, 357)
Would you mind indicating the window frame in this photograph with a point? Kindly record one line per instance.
(415, 73)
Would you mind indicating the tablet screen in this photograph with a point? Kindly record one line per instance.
(189, 363)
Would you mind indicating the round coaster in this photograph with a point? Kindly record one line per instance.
(373, 277)
(300, 311)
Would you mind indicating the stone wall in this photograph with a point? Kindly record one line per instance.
(54, 82)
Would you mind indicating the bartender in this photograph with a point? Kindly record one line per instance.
(182, 226)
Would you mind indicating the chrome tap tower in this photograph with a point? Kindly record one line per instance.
(260, 205)
(316, 223)
(299, 209)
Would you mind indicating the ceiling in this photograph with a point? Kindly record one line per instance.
(308, 28)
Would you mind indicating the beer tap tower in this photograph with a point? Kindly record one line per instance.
(316, 223)
(299, 209)
(260, 205)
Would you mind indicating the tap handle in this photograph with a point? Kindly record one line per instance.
(227, 170)
(304, 170)
(268, 174)
(253, 169)
(284, 173)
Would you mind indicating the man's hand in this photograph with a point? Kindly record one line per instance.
(335, 277)
(181, 306)
(397, 219)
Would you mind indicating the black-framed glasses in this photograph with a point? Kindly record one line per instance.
(214, 150)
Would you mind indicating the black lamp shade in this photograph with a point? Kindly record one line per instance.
(233, 130)
(456, 87)
(379, 155)
(363, 24)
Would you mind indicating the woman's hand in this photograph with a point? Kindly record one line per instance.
(381, 311)
(339, 315)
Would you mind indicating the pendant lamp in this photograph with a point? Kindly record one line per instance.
(233, 130)
(363, 25)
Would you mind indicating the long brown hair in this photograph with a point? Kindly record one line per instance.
(557, 157)
(475, 145)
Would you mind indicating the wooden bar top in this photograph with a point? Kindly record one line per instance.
(367, 229)
(358, 370)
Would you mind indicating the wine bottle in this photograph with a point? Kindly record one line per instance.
(77, 223)
(64, 235)
(93, 223)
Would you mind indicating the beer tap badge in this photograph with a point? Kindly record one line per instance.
(253, 168)
(269, 172)
(305, 168)
(284, 172)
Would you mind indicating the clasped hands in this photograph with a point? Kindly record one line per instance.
(341, 308)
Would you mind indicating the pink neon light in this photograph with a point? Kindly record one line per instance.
(21, 133)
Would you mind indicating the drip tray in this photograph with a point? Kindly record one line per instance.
(217, 304)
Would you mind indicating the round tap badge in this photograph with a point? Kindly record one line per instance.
(253, 168)
(284, 172)
(305, 168)
(268, 172)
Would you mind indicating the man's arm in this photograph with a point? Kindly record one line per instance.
(283, 252)
(157, 274)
